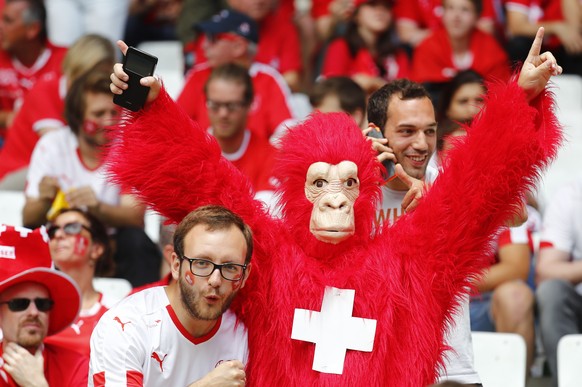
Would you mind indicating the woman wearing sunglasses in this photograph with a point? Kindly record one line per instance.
(80, 247)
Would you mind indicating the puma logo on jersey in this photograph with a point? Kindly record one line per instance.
(157, 358)
(121, 323)
(77, 327)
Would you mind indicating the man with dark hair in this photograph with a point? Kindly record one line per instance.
(36, 301)
(26, 55)
(404, 112)
(336, 94)
(184, 332)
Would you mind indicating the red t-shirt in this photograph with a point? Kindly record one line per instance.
(42, 107)
(16, 79)
(279, 43)
(433, 58)
(339, 62)
(537, 10)
(163, 282)
(255, 159)
(62, 367)
(270, 108)
(428, 13)
(77, 336)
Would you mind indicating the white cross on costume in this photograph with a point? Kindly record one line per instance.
(334, 330)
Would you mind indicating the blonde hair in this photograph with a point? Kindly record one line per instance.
(88, 52)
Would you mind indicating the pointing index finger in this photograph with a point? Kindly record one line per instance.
(536, 46)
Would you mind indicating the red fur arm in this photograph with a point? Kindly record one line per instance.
(444, 241)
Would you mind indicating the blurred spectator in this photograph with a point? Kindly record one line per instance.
(36, 302)
(459, 45)
(229, 96)
(366, 52)
(416, 19)
(67, 170)
(80, 247)
(559, 271)
(231, 37)
(68, 20)
(331, 17)
(152, 20)
(562, 22)
(194, 12)
(43, 107)
(26, 55)
(340, 94)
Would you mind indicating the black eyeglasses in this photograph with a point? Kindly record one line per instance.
(205, 268)
(20, 304)
(73, 228)
(230, 106)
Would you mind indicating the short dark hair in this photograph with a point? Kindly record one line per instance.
(234, 73)
(96, 81)
(350, 95)
(36, 12)
(379, 101)
(478, 4)
(215, 218)
(105, 265)
(462, 78)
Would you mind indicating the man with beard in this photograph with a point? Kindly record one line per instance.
(182, 333)
(36, 301)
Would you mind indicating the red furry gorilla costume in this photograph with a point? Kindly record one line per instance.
(406, 277)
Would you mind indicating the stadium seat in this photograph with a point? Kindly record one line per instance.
(11, 204)
(569, 356)
(568, 91)
(152, 225)
(500, 358)
(113, 289)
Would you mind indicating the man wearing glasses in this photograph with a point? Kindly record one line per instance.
(36, 301)
(183, 333)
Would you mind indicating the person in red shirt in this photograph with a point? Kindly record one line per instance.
(459, 45)
(43, 107)
(231, 37)
(26, 55)
(36, 301)
(563, 25)
(80, 247)
(366, 52)
(415, 19)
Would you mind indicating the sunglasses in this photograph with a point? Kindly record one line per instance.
(69, 229)
(20, 304)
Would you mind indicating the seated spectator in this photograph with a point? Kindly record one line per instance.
(36, 302)
(186, 327)
(559, 271)
(26, 55)
(366, 52)
(80, 247)
(68, 20)
(458, 46)
(417, 19)
(152, 20)
(43, 107)
(562, 23)
(229, 96)
(340, 94)
(67, 170)
(231, 37)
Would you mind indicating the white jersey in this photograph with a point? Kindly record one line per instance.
(458, 360)
(140, 341)
(57, 154)
(562, 225)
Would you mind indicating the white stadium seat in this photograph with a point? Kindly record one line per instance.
(500, 358)
(570, 361)
(11, 204)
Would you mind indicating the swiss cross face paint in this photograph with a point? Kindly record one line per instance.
(190, 278)
(81, 245)
(91, 127)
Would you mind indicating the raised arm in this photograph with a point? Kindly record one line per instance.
(448, 235)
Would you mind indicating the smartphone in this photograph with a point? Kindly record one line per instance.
(388, 164)
(136, 64)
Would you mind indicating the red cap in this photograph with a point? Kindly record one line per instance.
(25, 257)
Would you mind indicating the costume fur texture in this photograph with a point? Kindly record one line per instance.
(406, 276)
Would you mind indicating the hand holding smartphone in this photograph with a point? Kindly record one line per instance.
(137, 64)
(388, 164)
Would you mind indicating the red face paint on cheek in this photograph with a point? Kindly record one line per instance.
(190, 278)
(81, 245)
(236, 285)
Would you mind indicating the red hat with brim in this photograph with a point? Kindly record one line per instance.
(25, 257)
